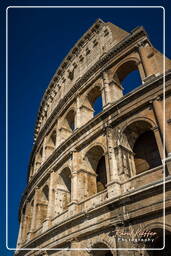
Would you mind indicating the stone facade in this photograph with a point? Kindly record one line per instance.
(96, 181)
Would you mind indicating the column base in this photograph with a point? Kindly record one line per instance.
(114, 189)
(107, 105)
(73, 207)
(46, 224)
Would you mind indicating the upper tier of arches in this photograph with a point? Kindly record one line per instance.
(99, 39)
(78, 100)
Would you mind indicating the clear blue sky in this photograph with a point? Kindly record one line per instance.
(39, 39)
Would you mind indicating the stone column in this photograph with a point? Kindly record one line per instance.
(57, 137)
(74, 183)
(114, 181)
(158, 111)
(144, 51)
(78, 114)
(107, 96)
(27, 222)
(75, 244)
(51, 205)
(74, 177)
(37, 162)
(103, 96)
(44, 149)
(34, 213)
(158, 140)
(58, 141)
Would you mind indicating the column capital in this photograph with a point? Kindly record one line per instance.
(52, 171)
(155, 128)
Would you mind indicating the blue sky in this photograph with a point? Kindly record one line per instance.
(39, 39)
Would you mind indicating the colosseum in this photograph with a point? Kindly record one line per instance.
(99, 180)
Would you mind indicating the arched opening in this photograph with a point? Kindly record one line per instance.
(68, 125)
(141, 141)
(51, 144)
(46, 193)
(97, 105)
(70, 120)
(27, 218)
(101, 174)
(96, 163)
(128, 77)
(64, 189)
(146, 152)
(52, 139)
(158, 242)
(92, 105)
(43, 207)
(38, 158)
(102, 252)
(30, 213)
(94, 98)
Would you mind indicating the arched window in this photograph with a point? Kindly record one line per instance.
(141, 141)
(45, 193)
(92, 104)
(42, 206)
(70, 120)
(64, 189)
(128, 76)
(95, 100)
(97, 106)
(146, 152)
(39, 158)
(96, 164)
(30, 214)
(101, 174)
(68, 125)
(132, 81)
(27, 213)
(52, 140)
(51, 144)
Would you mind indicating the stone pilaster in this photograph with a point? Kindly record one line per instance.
(75, 245)
(158, 140)
(106, 90)
(26, 222)
(78, 113)
(74, 177)
(51, 205)
(34, 213)
(145, 50)
(103, 96)
(113, 176)
(58, 141)
(158, 111)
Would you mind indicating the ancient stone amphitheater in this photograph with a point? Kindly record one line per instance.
(95, 182)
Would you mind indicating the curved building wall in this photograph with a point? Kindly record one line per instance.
(91, 173)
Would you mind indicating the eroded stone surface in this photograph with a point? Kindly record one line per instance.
(96, 181)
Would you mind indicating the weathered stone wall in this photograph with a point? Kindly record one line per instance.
(88, 174)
